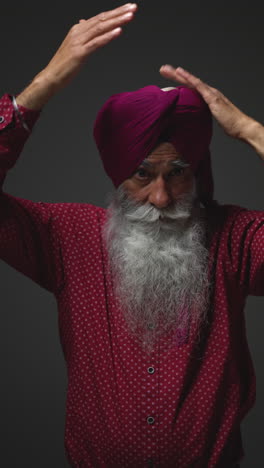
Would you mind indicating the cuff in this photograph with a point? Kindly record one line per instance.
(19, 116)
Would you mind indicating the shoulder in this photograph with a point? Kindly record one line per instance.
(75, 209)
(227, 216)
(68, 216)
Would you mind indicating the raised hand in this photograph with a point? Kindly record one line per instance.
(234, 122)
(82, 40)
(85, 38)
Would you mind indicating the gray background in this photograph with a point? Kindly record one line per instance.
(222, 45)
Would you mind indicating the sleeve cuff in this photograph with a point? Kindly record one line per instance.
(20, 116)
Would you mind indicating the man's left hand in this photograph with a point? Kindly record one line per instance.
(234, 122)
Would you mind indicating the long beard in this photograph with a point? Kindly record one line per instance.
(159, 264)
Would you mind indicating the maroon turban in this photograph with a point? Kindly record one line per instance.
(130, 125)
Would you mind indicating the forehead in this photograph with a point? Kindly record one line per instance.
(165, 154)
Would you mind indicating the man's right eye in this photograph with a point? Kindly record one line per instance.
(141, 173)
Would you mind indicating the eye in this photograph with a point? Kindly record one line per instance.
(177, 171)
(141, 173)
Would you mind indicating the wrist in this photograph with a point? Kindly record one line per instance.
(253, 134)
(248, 129)
(38, 93)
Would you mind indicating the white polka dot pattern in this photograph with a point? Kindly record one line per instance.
(13, 135)
(182, 405)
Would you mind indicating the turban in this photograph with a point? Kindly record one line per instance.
(130, 125)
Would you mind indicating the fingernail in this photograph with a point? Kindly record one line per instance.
(127, 15)
(181, 70)
(131, 6)
(166, 67)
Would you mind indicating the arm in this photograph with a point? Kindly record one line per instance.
(253, 134)
(28, 238)
(234, 122)
(245, 248)
(246, 235)
(82, 40)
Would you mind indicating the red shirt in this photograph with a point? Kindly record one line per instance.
(182, 405)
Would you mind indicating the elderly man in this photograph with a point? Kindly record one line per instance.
(151, 291)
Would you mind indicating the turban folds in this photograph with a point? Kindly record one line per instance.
(131, 124)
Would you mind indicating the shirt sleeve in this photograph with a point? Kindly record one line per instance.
(246, 250)
(28, 241)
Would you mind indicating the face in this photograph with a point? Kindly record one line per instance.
(161, 178)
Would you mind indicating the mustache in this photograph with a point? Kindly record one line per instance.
(181, 210)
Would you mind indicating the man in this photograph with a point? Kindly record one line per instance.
(151, 291)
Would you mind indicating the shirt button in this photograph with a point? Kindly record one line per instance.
(151, 326)
(150, 420)
(151, 370)
(2, 119)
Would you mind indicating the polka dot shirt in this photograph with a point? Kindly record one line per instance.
(180, 406)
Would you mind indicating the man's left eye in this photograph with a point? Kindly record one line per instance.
(177, 171)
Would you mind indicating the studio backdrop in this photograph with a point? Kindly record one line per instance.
(220, 43)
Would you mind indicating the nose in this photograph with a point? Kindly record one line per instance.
(159, 195)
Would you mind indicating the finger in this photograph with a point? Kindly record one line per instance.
(108, 15)
(190, 80)
(101, 28)
(212, 96)
(167, 71)
(101, 41)
(120, 10)
(175, 77)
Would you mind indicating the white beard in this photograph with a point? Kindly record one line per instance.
(159, 264)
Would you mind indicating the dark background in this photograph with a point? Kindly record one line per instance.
(221, 44)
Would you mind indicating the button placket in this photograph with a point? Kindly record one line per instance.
(151, 397)
(150, 407)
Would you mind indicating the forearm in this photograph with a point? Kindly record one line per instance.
(38, 93)
(253, 134)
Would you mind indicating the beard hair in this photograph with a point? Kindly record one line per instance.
(159, 263)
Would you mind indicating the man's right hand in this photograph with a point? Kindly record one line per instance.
(82, 40)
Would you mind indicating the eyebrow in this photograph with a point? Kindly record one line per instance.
(175, 163)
